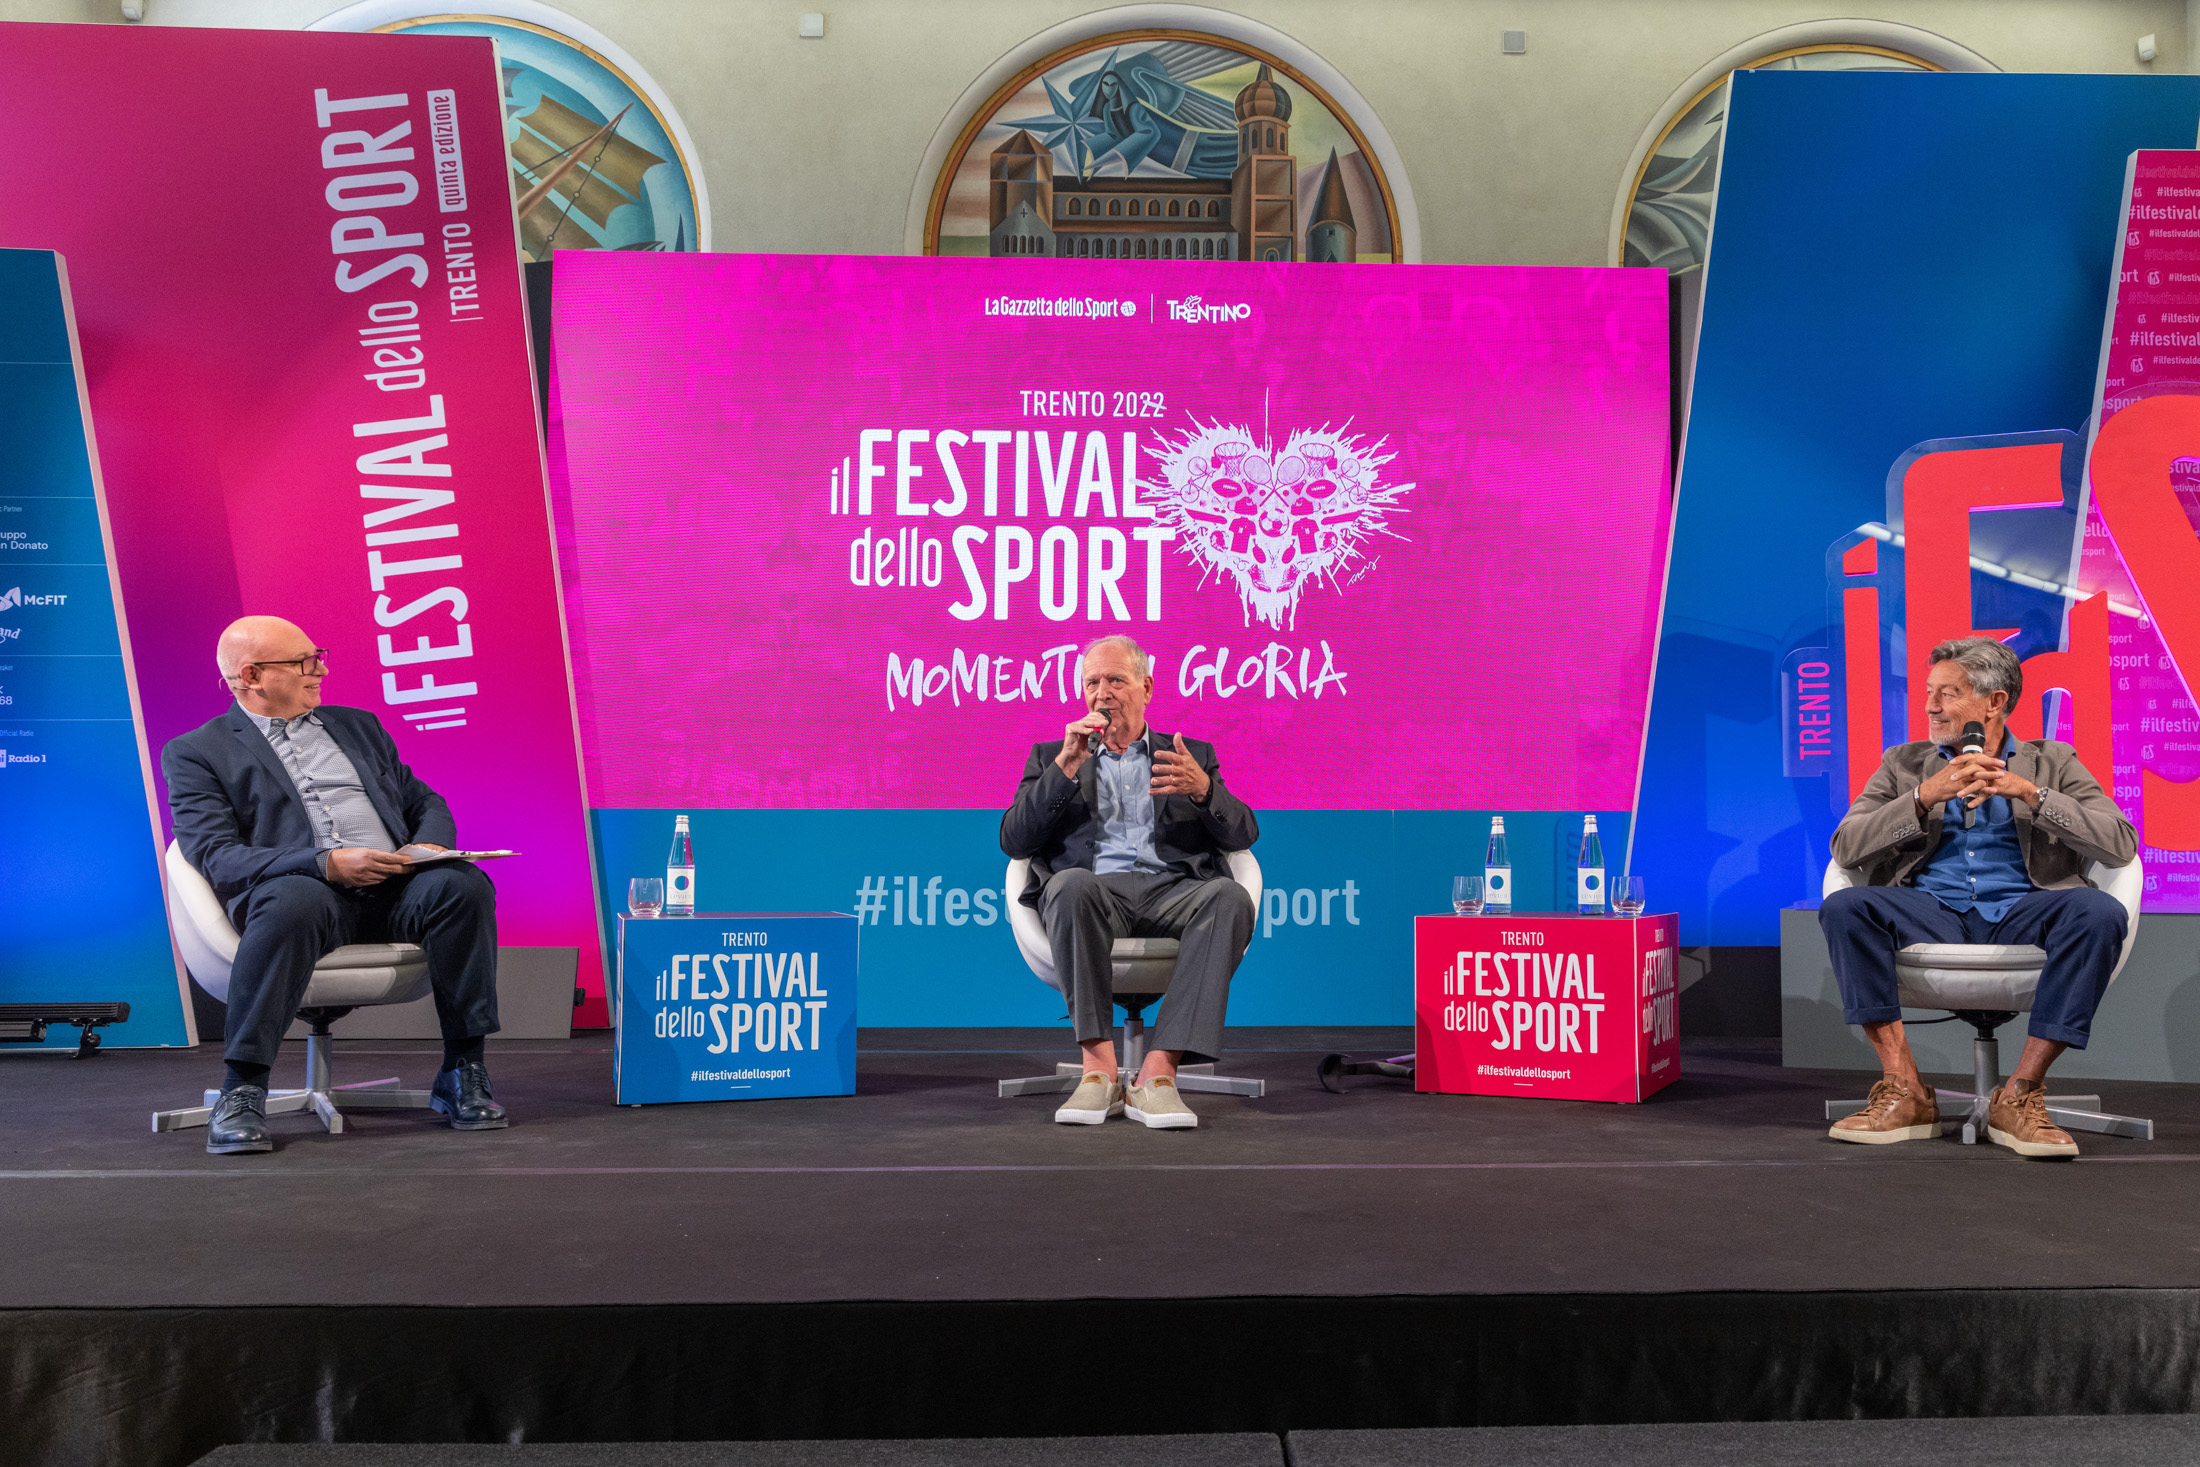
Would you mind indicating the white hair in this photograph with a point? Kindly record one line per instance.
(1145, 663)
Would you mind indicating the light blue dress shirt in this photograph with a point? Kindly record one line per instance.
(1982, 866)
(1126, 811)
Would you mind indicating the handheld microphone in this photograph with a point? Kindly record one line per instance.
(1974, 742)
(1094, 742)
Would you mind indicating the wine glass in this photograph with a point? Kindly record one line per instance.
(645, 896)
(1627, 897)
(1466, 895)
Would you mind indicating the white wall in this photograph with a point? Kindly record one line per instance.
(817, 146)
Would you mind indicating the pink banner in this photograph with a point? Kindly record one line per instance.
(835, 529)
(306, 345)
(2153, 348)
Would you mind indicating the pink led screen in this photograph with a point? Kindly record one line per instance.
(835, 528)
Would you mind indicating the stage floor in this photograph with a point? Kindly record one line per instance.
(2127, 1441)
(925, 1260)
(924, 1186)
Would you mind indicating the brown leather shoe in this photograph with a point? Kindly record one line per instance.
(2018, 1120)
(1894, 1112)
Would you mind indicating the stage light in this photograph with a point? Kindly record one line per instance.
(1999, 572)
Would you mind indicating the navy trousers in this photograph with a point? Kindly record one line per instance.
(293, 922)
(2082, 930)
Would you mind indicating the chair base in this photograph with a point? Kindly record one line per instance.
(1333, 1067)
(326, 1101)
(1193, 1079)
(329, 1104)
(2071, 1112)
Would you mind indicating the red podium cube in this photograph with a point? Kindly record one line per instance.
(1546, 1004)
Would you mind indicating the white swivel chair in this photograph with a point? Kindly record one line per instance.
(351, 977)
(1143, 967)
(1986, 985)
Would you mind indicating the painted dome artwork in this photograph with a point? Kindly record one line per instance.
(1669, 211)
(595, 163)
(1150, 146)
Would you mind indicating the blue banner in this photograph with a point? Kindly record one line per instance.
(81, 917)
(1334, 942)
(1896, 258)
(735, 1006)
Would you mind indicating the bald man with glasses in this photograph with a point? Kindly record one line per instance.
(300, 816)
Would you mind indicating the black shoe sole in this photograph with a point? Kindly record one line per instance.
(235, 1148)
(459, 1125)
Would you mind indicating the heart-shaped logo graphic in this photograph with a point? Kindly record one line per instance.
(1273, 521)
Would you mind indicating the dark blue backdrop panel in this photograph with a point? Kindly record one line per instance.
(1334, 944)
(1895, 258)
(80, 899)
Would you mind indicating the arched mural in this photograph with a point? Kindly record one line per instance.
(598, 160)
(1163, 144)
(1669, 210)
(1662, 215)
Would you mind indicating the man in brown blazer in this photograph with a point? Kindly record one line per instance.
(1976, 848)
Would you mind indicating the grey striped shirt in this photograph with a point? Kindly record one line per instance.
(335, 799)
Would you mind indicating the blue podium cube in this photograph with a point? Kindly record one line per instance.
(735, 1006)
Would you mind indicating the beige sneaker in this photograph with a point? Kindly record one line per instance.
(1096, 1097)
(1160, 1105)
(2018, 1120)
(1894, 1112)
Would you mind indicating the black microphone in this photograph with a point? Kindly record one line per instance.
(1094, 742)
(1974, 742)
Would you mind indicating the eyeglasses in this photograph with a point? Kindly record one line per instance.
(312, 663)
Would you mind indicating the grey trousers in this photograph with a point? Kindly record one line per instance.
(1212, 921)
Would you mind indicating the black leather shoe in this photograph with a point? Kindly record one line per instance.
(463, 1094)
(239, 1122)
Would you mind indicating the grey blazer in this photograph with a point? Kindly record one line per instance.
(2076, 824)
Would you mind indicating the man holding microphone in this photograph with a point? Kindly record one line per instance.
(1128, 832)
(1973, 837)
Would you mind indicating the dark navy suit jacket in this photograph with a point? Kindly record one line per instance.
(238, 816)
(1056, 821)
